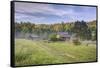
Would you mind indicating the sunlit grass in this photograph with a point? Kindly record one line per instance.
(28, 52)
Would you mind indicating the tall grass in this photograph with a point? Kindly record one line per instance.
(28, 52)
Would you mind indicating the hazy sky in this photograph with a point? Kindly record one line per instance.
(51, 13)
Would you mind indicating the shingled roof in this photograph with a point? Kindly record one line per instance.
(64, 34)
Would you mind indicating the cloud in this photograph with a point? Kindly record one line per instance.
(40, 8)
(52, 13)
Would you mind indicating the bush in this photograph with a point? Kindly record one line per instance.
(53, 37)
(76, 42)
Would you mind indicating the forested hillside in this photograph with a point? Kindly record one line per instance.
(81, 28)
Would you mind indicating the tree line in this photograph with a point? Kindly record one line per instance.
(83, 30)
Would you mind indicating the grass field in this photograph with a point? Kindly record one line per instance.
(28, 52)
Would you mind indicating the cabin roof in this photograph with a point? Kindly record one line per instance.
(64, 34)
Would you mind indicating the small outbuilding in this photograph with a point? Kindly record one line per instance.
(64, 36)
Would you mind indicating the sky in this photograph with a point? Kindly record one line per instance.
(40, 13)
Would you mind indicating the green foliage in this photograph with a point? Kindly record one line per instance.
(63, 25)
(39, 52)
(53, 37)
(94, 36)
(82, 30)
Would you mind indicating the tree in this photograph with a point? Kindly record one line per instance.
(63, 25)
(94, 36)
(53, 37)
(81, 29)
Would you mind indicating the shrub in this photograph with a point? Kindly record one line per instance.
(76, 42)
(53, 37)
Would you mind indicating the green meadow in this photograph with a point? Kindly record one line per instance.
(29, 52)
